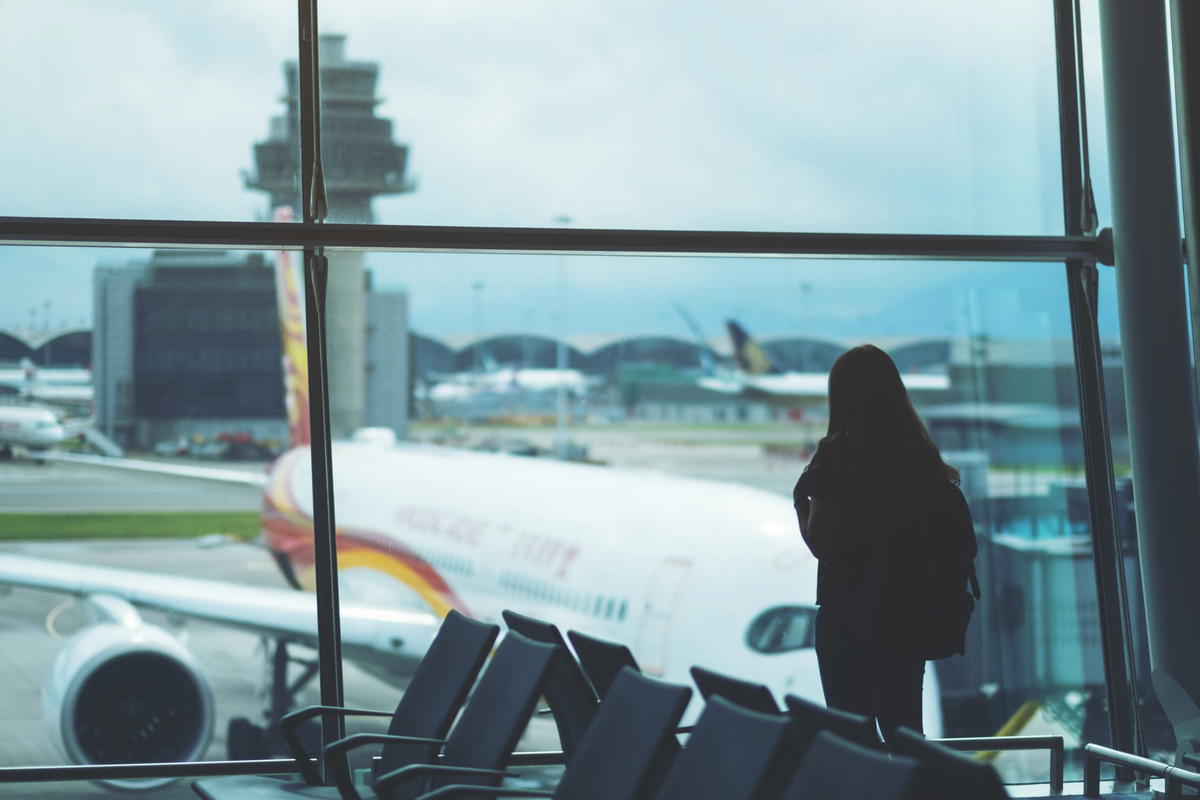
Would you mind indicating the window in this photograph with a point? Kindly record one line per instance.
(781, 629)
(573, 122)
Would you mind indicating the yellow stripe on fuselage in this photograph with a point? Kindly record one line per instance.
(390, 565)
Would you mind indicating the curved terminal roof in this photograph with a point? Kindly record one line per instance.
(602, 354)
(529, 350)
(659, 350)
(801, 354)
(13, 348)
(65, 347)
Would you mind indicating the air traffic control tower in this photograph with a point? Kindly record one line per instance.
(360, 161)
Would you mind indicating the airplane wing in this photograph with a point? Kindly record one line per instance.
(389, 637)
(223, 474)
(395, 637)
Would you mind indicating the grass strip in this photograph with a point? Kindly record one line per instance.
(128, 525)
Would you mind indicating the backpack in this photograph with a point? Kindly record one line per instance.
(947, 590)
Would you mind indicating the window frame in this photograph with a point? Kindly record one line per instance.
(1078, 250)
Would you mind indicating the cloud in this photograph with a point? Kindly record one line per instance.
(930, 116)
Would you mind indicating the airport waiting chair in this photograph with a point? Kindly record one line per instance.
(732, 754)
(837, 769)
(746, 694)
(623, 754)
(568, 693)
(810, 719)
(489, 727)
(946, 774)
(601, 660)
(434, 695)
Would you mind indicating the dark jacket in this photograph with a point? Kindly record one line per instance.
(873, 562)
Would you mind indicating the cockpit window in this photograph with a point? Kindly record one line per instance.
(781, 629)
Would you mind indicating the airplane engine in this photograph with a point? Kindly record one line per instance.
(127, 692)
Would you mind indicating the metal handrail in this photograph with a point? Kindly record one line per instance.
(209, 769)
(1093, 754)
(1055, 744)
(172, 769)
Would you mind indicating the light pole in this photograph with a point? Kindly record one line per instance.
(806, 327)
(477, 361)
(560, 354)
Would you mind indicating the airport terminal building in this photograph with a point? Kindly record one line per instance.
(187, 345)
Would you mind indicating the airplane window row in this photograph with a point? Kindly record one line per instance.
(449, 563)
(599, 606)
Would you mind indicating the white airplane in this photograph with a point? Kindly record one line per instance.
(32, 428)
(757, 376)
(683, 571)
(463, 386)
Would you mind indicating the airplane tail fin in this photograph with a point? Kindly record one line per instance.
(289, 298)
(747, 353)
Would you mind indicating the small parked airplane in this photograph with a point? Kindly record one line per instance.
(756, 376)
(32, 428)
(65, 387)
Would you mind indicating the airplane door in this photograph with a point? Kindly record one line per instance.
(661, 599)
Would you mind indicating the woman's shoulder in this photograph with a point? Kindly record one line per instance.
(832, 449)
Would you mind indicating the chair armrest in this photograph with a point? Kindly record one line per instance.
(491, 791)
(336, 765)
(308, 712)
(417, 770)
(348, 743)
(537, 758)
(289, 722)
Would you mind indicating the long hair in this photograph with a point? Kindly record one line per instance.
(871, 414)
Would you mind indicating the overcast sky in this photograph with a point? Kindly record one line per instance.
(930, 116)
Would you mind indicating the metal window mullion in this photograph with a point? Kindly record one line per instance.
(50, 231)
(1082, 288)
(316, 270)
(1185, 48)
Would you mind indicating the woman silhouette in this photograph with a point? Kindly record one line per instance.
(859, 507)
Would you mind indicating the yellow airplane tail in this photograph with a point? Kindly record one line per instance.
(747, 353)
(290, 301)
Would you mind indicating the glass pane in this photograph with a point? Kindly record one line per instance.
(578, 440)
(145, 110)
(144, 453)
(1093, 78)
(927, 117)
(1160, 737)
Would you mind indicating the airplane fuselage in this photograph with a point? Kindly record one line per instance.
(35, 428)
(676, 568)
